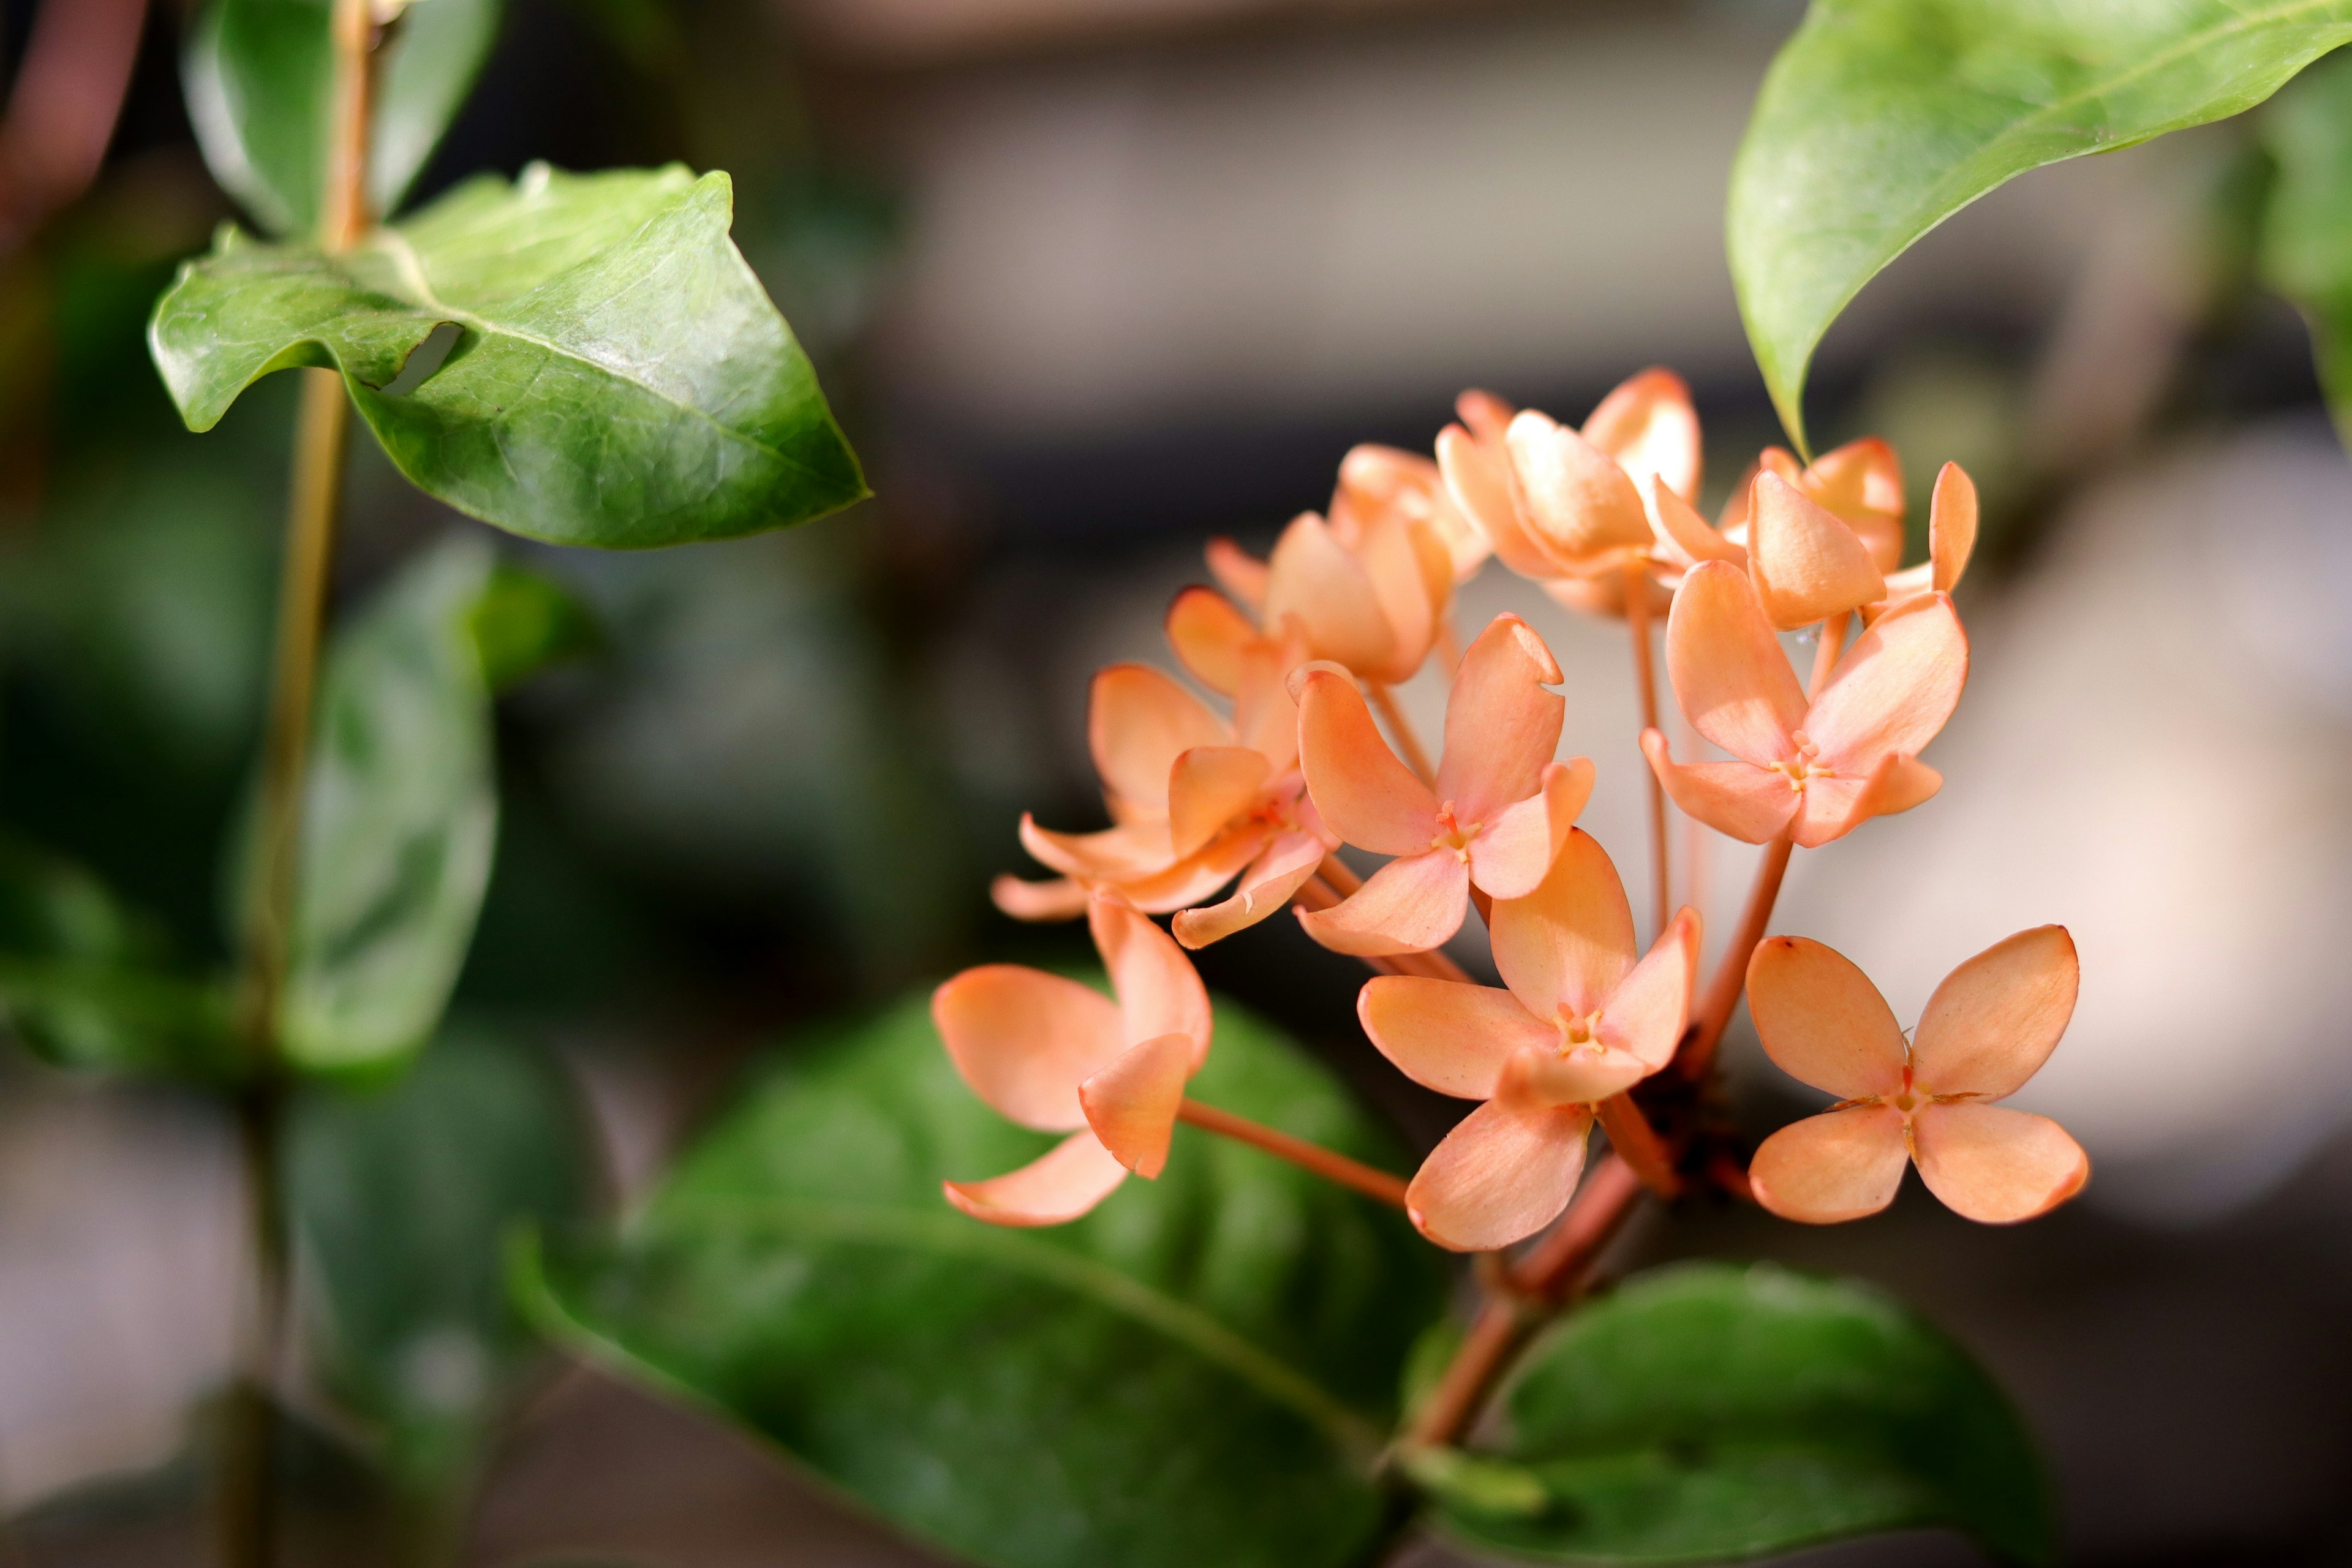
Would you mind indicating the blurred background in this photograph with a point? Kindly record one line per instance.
(1090, 280)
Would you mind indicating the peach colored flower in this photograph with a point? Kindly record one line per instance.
(1814, 770)
(1501, 809)
(1373, 478)
(1860, 483)
(1951, 539)
(1569, 509)
(1987, 1029)
(1193, 801)
(1578, 1021)
(1059, 1056)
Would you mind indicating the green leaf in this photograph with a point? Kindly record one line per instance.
(399, 822)
(401, 1199)
(2305, 244)
(1704, 1413)
(613, 374)
(259, 78)
(1882, 118)
(82, 984)
(1199, 1372)
(524, 623)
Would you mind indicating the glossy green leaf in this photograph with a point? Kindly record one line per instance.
(1705, 1413)
(400, 820)
(1882, 118)
(1199, 1372)
(259, 78)
(83, 985)
(2304, 251)
(613, 374)
(401, 1199)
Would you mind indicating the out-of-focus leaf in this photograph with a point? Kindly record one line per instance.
(1705, 1413)
(617, 377)
(403, 1198)
(524, 623)
(1199, 1372)
(1882, 118)
(81, 983)
(259, 78)
(2305, 244)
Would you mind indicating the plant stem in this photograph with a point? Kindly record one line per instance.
(1307, 1156)
(1731, 971)
(1826, 651)
(244, 1505)
(1408, 741)
(1645, 683)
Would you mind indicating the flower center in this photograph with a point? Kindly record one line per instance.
(1801, 764)
(1580, 1033)
(1454, 834)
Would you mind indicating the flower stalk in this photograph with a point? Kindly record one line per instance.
(1332, 1167)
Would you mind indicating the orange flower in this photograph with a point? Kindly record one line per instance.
(1369, 589)
(1193, 799)
(1987, 1029)
(1500, 810)
(1578, 1022)
(1812, 770)
(1951, 539)
(1059, 1056)
(1860, 484)
(1572, 508)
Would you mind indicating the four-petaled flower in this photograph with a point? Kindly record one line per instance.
(1578, 1022)
(1054, 1054)
(1987, 1029)
(1193, 800)
(1812, 770)
(1500, 809)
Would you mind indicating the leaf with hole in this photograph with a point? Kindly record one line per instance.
(1882, 118)
(594, 364)
(259, 80)
(1202, 1370)
(1705, 1413)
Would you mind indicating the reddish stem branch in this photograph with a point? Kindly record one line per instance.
(1553, 1267)
(1731, 973)
(1322, 1162)
(1826, 651)
(1645, 683)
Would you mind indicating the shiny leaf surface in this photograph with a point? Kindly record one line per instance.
(1199, 1372)
(1882, 118)
(1707, 1413)
(595, 363)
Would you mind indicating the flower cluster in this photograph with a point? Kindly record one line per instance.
(1220, 816)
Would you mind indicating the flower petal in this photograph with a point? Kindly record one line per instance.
(1995, 1165)
(1060, 898)
(1501, 725)
(1585, 1076)
(1832, 808)
(1024, 1039)
(1840, 1165)
(1237, 572)
(1265, 887)
(1604, 595)
(1314, 578)
(1055, 1188)
(1822, 1020)
(1413, 582)
(1568, 943)
(1158, 990)
(1580, 503)
(1186, 882)
(1951, 527)
(1645, 1015)
(1894, 688)
(1207, 788)
(1729, 672)
(1383, 475)
(1137, 723)
(1996, 1018)
(1749, 802)
(1265, 716)
(1505, 1171)
(1131, 1103)
(1446, 1036)
(1861, 481)
(1518, 845)
(1487, 415)
(1411, 904)
(1478, 476)
(1683, 534)
(1131, 849)
(1648, 425)
(1366, 796)
(1806, 565)
(1208, 634)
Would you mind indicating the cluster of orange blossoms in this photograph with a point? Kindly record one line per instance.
(1220, 821)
